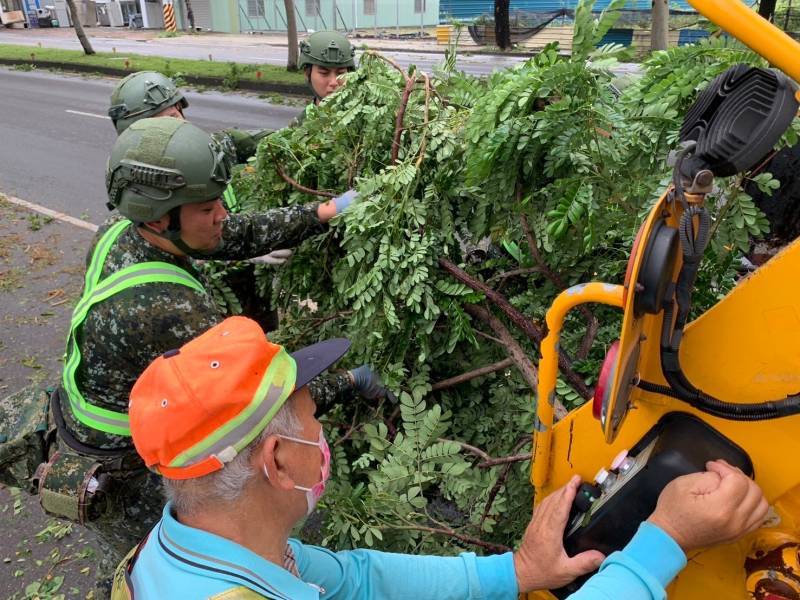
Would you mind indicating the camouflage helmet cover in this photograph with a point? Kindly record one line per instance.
(141, 95)
(162, 163)
(327, 49)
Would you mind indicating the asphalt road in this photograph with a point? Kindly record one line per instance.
(55, 138)
(255, 52)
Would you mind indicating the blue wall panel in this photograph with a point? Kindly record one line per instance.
(469, 9)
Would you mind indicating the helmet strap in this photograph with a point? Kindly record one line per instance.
(173, 234)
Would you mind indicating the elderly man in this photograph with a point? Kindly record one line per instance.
(228, 421)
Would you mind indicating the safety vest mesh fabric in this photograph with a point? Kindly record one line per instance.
(231, 201)
(96, 291)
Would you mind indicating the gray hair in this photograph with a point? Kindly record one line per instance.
(228, 484)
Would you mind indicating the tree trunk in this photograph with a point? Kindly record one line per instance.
(658, 31)
(76, 22)
(766, 8)
(291, 27)
(189, 14)
(502, 28)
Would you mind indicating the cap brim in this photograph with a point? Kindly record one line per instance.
(313, 360)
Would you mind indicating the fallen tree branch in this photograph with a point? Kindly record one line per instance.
(501, 480)
(515, 352)
(592, 324)
(528, 327)
(398, 124)
(297, 185)
(504, 460)
(470, 375)
(468, 539)
(471, 449)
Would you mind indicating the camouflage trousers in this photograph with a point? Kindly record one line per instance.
(114, 496)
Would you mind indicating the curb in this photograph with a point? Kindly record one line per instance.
(245, 84)
(465, 50)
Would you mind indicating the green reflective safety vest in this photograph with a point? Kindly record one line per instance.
(95, 291)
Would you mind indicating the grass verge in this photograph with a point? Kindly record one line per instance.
(228, 75)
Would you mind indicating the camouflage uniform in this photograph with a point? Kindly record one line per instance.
(95, 477)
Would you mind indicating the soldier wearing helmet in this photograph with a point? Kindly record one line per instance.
(324, 57)
(151, 94)
(142, 296)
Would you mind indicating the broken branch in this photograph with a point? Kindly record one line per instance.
(470, 375)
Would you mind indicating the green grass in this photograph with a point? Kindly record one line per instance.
(169, 66)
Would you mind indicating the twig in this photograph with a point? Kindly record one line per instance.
(470, 375)
(349, 432)
(300, 186)
(515, 352)
(425, 131)
(398, 124)
(485, 335)
(513, 273)
(528, 327)
(504, 460)
(295, 183)
(501, 480)
(498, 548)
(390, 61)
(592, 324)
(471, 449)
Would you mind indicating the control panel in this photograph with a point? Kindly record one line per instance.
(606, 513)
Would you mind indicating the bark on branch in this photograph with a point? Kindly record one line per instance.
(296, 184)
(528, 327)
(592, 324)
(470, 375)
(468, 539)
(512, 348)
(398, 124)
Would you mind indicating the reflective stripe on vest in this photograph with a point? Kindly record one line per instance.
(96, 291)
(231, 201)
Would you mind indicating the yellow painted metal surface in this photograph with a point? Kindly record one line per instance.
(746, 348)
(754, 31)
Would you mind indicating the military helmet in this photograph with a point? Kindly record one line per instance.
(141, 95)
(327, 49)
(160, 164)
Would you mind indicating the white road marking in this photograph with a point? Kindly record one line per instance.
(86, 114)
(51, 213)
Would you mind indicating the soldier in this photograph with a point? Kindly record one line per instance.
(151, 94)
(324, 57)
(142, 297)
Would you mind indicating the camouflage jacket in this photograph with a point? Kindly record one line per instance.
(124, 333)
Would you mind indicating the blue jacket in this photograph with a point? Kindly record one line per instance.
(183, 562)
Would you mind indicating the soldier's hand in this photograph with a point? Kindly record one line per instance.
(345, 200)
(276, 257)
(541, 562)
(714, 507)
(368, 383)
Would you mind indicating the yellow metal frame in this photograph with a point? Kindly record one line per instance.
(744, 349)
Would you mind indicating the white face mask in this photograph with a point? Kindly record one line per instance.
(314, 493)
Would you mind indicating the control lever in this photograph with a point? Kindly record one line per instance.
(587, 494)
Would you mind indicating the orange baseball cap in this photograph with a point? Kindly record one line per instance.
(194, 409)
